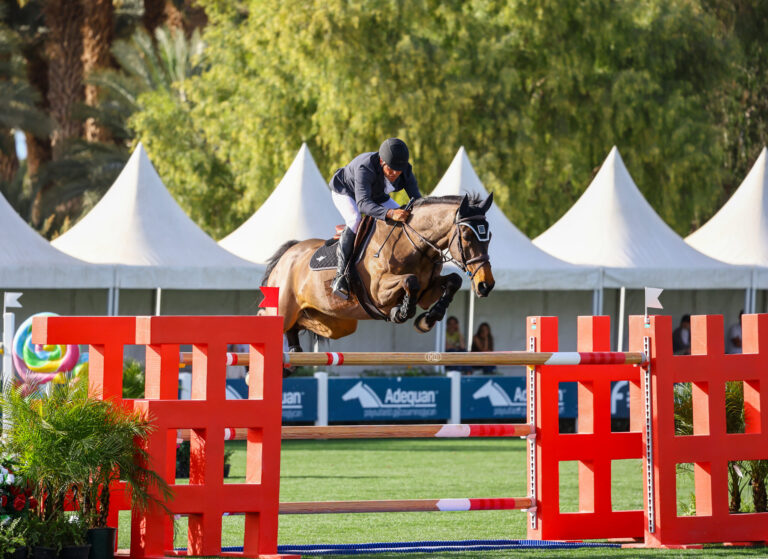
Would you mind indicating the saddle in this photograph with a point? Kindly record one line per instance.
(325, 258)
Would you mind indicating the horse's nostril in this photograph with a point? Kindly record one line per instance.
(482, 287)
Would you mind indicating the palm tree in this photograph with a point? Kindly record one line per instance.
(86, 169)
(98, 32)
(18, 111)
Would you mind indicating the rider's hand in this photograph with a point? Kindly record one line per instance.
(398, 215)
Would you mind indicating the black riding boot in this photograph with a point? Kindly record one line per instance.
(340, 285)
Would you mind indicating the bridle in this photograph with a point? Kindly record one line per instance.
(476, 223)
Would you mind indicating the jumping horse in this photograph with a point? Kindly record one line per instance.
(399, 268)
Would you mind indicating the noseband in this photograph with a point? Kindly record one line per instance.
(479, 226)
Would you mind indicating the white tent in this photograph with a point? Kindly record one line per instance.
(28, 261)
(299, 208)
(613, 226)
(516, 262)
(738, 233)
(139, 227)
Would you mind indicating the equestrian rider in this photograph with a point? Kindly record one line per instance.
(363, 187)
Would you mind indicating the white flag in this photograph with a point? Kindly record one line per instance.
(11, 300)
(652, 298)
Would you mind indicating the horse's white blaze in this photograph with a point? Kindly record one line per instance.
(564, 358)
(453, 431)
(453, 504)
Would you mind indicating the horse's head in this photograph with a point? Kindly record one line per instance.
(469, 246)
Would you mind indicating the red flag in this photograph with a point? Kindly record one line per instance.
(271, 296)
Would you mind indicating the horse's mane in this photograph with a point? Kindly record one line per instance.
(272, 262)
(474, 200)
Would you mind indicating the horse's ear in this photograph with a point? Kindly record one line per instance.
(487, 203)
(464, 206)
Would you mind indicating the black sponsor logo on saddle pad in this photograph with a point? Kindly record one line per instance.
(324, 258)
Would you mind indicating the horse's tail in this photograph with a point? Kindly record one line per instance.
(272, 262)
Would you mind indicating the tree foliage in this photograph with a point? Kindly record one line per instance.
(537, 92)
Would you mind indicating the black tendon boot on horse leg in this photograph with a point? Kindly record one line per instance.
(340, 285)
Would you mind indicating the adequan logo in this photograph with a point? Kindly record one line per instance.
(499, 398)
(292, 400)
(497, 395)
(397, 398)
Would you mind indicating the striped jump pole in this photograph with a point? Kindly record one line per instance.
(405, 505)
(449, 431)
(478, 358)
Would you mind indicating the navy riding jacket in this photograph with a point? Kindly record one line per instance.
(363, 179)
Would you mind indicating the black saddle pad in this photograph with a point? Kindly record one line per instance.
(324, 257)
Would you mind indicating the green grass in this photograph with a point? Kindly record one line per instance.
(412, 469)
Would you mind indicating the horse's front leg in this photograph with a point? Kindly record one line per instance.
(440, 292)
(407, 308)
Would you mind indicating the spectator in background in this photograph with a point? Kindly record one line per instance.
(454, 340)
(681, 337)
(483, 341)
(733, 341)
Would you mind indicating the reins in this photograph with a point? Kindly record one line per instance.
(443, 256)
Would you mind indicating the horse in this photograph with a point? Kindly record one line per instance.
(399, 268)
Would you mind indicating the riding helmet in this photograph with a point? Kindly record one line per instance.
(394, 152)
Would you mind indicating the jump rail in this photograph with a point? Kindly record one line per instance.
(452, 358)
(406, 505)
(450, 431)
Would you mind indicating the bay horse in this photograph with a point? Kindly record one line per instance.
(399, 268)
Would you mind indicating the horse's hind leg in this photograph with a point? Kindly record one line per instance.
(292, 336)
(442, 291)
(407, 308)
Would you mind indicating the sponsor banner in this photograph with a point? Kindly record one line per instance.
(493, 397)
(389, 399)
(620, 399)
(506, 398)
(299, 397)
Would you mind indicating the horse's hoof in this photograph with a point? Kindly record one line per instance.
(422, 323)
(294, 349)
(396, 316)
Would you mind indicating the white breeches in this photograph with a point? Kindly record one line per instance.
(348, 208)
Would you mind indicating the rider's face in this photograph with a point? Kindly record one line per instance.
(389, 172)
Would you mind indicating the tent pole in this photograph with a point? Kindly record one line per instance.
(158, 300)
(622, 298)
(116, 303)
(471, 318)
(439, 344)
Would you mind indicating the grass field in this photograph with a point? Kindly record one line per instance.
(433, 468)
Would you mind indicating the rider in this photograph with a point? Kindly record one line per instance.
(364, 186)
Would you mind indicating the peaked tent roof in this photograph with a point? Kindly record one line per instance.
(516, 262)
(138, 226)
(28, 261)
(300, 208)
(613, 226)
(738, 233)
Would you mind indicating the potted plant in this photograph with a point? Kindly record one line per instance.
(62, 537)
(76, 447)
(13, 538)
(71, 535)
(16, 500)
